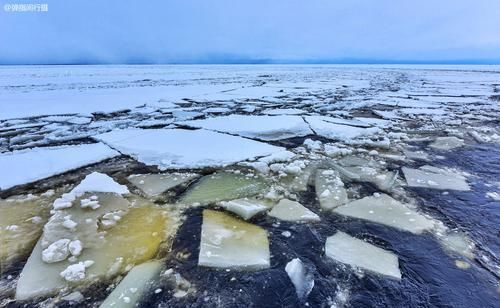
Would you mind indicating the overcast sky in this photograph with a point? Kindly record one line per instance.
(168, 31)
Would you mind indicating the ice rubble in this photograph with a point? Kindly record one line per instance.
(350, 250)
(447, 143)
(260, 127)
(223, 186)
(359, 169)
(97, 242)
(35, 164)
(178, 148)
(300, 277)
(436, 178)
(385, 210)
(154, 184)
(293, 211)
(227, 242)
(137, 282)
(330, 189)
(246, 208)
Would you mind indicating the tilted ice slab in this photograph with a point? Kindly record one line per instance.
(137, 282)
(293, 211)
(302, 280)
(387, 211)
(154, 184)
(246, 208)
(436, 178)
(330, 189)
(21, 167)
(355, 252)
(447, 143)
(178, 148)
(227, 242)
(323, 127)
(260, 127)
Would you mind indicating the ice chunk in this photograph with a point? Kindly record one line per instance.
(387, 211)
(227, 242)
(447, 143)
(156, 184)
(292, 211)
(330, 189)
(137, 282)
(324, 126)
(99, 182)
(301, 279)
(35, 164)
(223, 186)
(436, 178)
(246, 208)
(364, 170)
(349, 250)
(459, 243)
(178, 148)
(260, 127)
(57, 251)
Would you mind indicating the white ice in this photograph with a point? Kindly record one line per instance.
(154, 184)
(435, 178)
(246, 208)
(300, 277)
(293, 211)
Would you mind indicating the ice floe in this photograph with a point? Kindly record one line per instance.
(227, 242)
(447, 143)
(293, 211)
(385, 210)
(355, 252)
(330, 189)
(301, 278)
(323, 126)
(435, 178)
(178, 148)
(246, 208)
(35, 164)
(154, 184)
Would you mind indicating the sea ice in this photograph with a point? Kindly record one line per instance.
(227, 242)
(355, 252)
(447, 143)
(387, 211)
(260, 127)
(137, 282)
(246, 208)
(223, 186)
(179, 148)
(154, 184)
(300, 277)
(292, 211)
(30, 165)
(436, 178)
(322, 126)
(330, 189)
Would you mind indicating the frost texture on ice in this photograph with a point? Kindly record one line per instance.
(293, 211)
(35, 164)
(387, 211)
(137, 282)
(436, 178)
(227, 242)
(246, 208)
(300, 277)
(155, 184)
(178, 148)
(260, 127)
(355, 252)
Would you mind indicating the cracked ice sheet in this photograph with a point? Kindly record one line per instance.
(178, 148)
(261, 127)
(322, 127)
(31, 165)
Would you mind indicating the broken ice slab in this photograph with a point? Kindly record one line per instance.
(447, 143)
(292, 211)
(246, 208)
(330, 189)
(323, 126)
(179, 148)
(355, 252)
(300, 277)
(300, 181)
(436, 178)
(385, 210)
(134, 286)
(458, 242)
(227, 242)
(359, 169)
(21, 224)
(223, 186)
(260, 127)
(155, 184)
(30, 165)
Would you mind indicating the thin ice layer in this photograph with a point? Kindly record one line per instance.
(227, 242)
(385, 210)
(260, 127)
(350, 250)
(21, 167)
(179, 148)
(436, 178)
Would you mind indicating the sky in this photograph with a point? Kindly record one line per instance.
(252, 31)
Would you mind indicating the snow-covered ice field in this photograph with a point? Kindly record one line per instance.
(249, 185)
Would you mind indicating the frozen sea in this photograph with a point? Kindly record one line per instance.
(250, 186)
